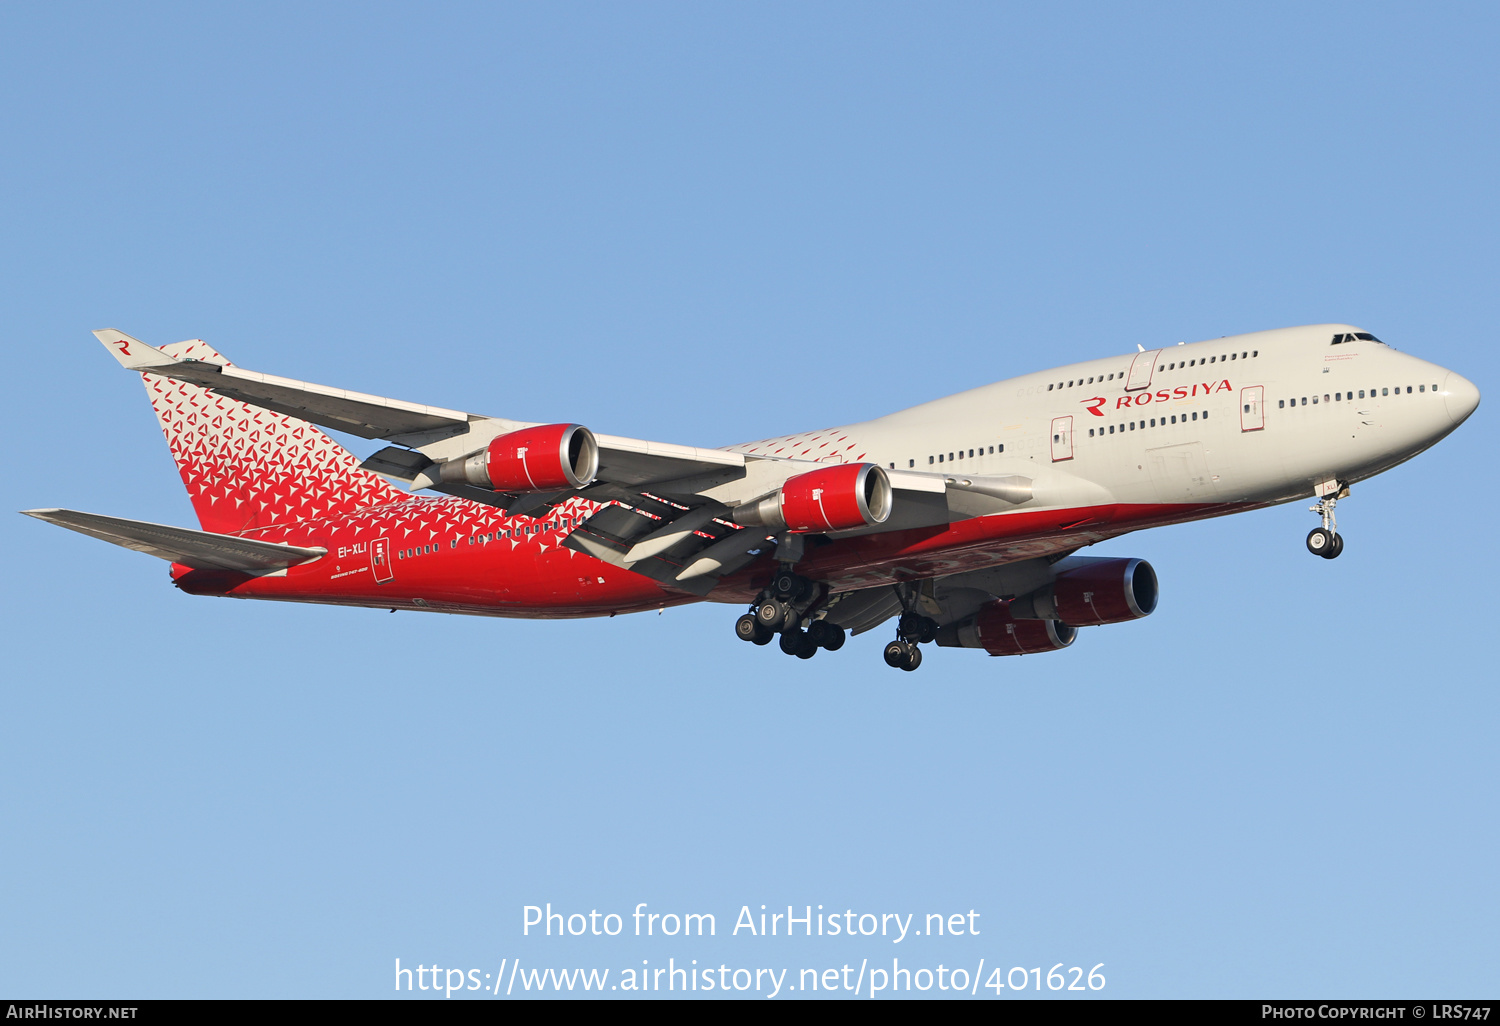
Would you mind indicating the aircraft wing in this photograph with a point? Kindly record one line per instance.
(622, 461)
(201, 550)
(369, 416)
(668, 509)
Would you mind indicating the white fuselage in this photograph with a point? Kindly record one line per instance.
(1258, 418)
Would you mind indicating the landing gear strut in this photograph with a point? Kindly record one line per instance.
(1326, 541)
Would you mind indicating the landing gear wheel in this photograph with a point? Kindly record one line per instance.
(916, 628)
(747, 628)
(896, 654)
(771, 615)
(797, 643)
(1325, 541)
(786, 584)
(826, 635)
(902, 655)
(1322, 542)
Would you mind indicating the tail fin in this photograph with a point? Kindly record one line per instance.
(247, 468)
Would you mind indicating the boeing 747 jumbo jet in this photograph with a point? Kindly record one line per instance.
(960, 518)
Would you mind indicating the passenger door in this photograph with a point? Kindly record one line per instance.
(380, 560)
(1141, 369)
(1062, 439)
(1252, 409)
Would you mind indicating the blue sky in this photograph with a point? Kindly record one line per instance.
(706, 224)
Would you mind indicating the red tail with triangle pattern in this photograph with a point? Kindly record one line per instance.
(247, 468)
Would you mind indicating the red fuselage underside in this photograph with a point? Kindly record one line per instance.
(437, 554)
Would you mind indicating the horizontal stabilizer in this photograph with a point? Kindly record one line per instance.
(201, 550)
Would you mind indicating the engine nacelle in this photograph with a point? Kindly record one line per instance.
(836, 498)
(994, 629)
(546, 458)
(1098, 592)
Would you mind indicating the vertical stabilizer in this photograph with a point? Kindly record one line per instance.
(247, 468)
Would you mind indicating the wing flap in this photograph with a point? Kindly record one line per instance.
(201, 550)
(635, 462)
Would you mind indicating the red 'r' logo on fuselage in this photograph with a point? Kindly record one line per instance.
(1098, 402)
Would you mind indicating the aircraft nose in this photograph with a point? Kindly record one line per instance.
(1460, 396)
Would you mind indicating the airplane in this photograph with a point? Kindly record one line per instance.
(962, 518)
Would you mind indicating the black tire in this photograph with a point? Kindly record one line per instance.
(916, 628)
(833, 637)
(826, 635)
(808, 649)
(771, 615)
(747, 628)
(1320, 542)
(913, 660)
(763, 638)
(896, 654)
(1338, 547)
(786, 584)
(791, 642)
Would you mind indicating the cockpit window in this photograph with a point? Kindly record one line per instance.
(1355, 336)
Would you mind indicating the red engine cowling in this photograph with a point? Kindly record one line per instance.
(547, 458)
(835, 498)
(999, 633)
(1098, 592)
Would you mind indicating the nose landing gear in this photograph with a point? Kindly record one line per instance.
(1326, 541)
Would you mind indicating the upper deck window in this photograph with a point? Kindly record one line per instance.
(1354, 336)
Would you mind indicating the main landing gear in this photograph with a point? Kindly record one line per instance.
(911, 630)
(1326, 541)
(785, 608)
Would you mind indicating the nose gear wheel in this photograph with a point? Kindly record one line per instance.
(1326, 541)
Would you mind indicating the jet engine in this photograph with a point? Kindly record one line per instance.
(995, 629)
(835, 498)
(546, 458)
(1093, 593)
